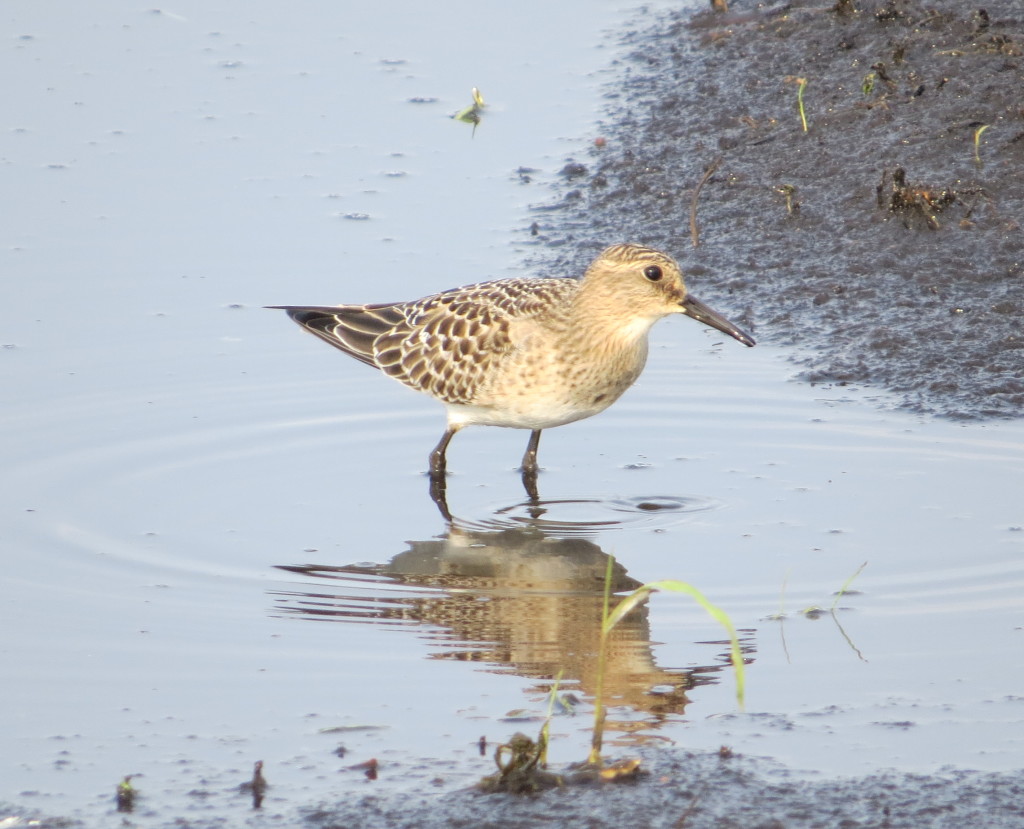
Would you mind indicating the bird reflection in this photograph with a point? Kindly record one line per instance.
(516, 598)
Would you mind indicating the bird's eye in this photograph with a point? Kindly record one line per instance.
(652, 272)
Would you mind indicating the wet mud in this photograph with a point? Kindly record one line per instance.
(675, 790)
(703, 792)
(884, 243)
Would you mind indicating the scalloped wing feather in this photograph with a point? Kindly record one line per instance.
(446, 345)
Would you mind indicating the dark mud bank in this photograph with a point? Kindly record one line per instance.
(704, 792)
(885, 243)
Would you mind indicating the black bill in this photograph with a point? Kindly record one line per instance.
(696, 309)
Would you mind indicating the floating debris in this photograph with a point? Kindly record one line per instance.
(257, 787)
(369, 768)
(518, 769)
(521, 715)
(621, 770)
(565, 704)
(912, 200)
(345, 729)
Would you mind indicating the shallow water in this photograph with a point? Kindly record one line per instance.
(190, 484)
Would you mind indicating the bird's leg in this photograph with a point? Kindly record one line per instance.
(529, 466)
(438, 462)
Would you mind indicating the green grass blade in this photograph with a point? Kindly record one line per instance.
(801, 86)
(641, 593)
(846, 586)
(638, 596)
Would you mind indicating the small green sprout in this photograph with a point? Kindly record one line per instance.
(977, 142)
(801, 85)
(788, 191)
(472, 113)
(126, 794)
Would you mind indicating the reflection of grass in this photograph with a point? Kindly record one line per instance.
(816, 611)
(545, 730)
(622, 609)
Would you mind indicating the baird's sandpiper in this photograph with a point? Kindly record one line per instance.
(527, 353)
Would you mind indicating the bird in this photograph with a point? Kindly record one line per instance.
(523, 352)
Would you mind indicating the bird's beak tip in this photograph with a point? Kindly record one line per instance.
(694, 308)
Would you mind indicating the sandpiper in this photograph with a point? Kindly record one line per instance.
(527, 353)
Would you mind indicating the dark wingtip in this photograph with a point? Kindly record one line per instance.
(304, 314)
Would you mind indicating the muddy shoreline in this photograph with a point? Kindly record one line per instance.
(915, 288)
(705, 792)
(679, 789)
